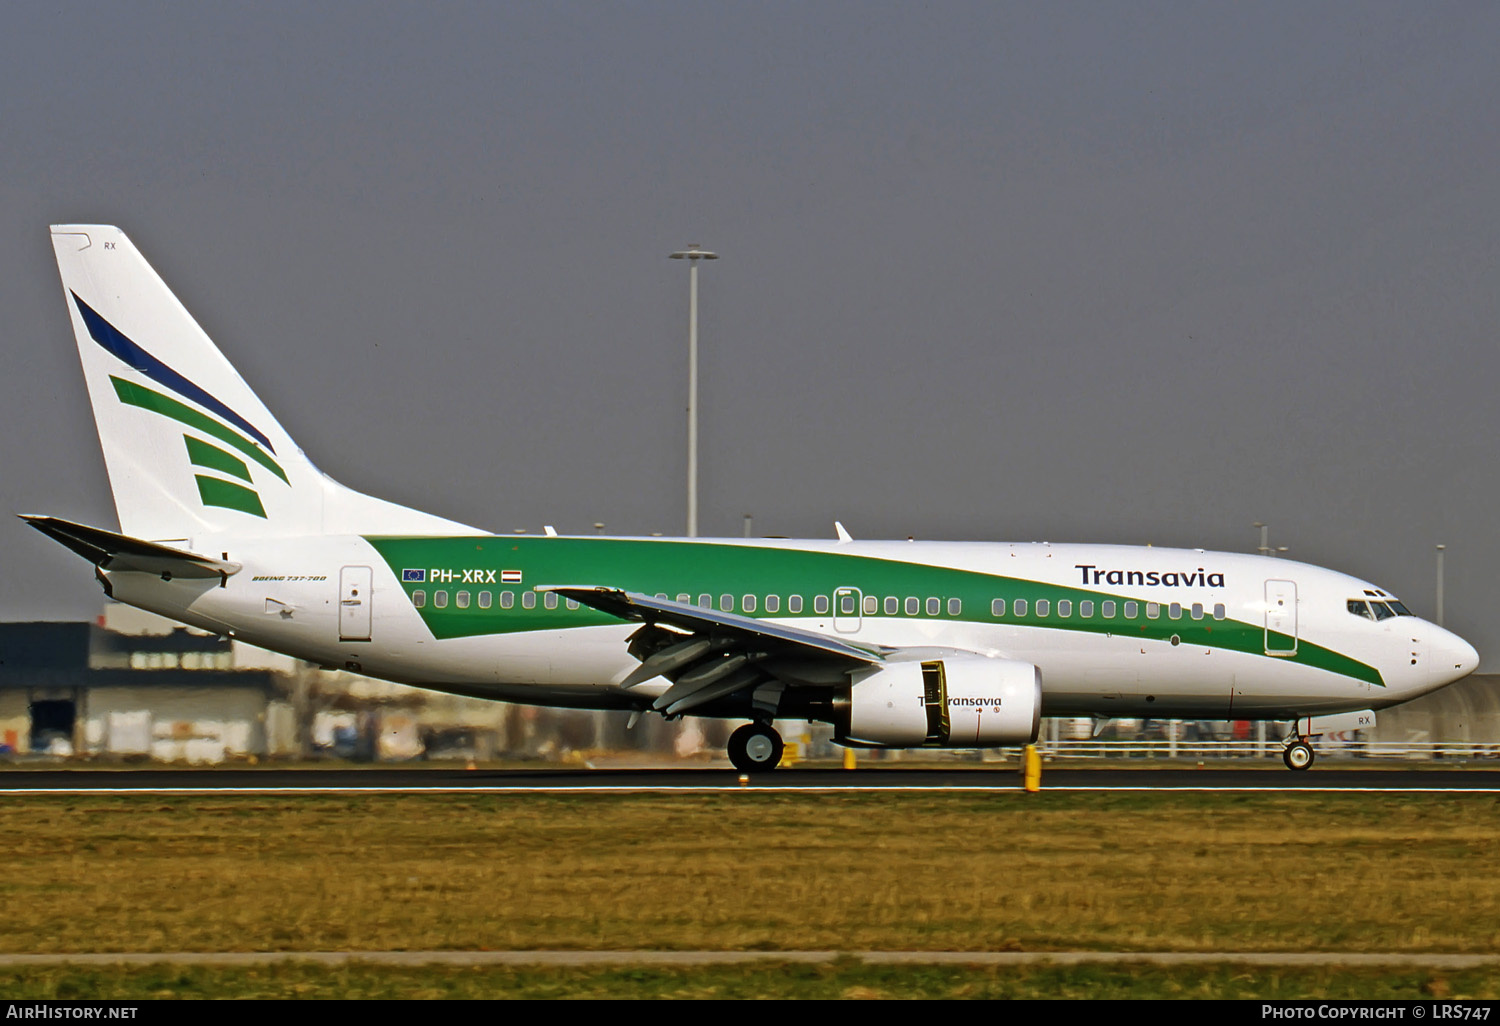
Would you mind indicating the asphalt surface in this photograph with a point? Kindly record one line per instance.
(415, 778)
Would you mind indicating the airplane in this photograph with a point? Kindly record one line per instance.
(226, 525)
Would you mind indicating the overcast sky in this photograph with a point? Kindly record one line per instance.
(1123, 272)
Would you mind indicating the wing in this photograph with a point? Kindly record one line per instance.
(709, 655)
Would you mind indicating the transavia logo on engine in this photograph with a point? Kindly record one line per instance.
(1171, 578)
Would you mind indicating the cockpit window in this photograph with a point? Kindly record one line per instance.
(1377, 609)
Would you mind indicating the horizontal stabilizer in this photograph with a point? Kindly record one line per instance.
(118, 552)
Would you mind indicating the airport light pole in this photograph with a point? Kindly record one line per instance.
(1440, 550)
(1265, 546)
(692, 255)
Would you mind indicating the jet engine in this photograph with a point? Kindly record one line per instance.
(958, 702)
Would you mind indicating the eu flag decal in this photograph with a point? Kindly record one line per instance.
(413, 576)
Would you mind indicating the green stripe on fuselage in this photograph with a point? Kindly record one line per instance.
(706, 568)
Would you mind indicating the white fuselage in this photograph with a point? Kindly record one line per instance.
(1316, 658)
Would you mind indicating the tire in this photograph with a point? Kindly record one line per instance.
(755, 748)
(1298, 756)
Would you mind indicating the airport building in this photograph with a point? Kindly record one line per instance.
(133, 686)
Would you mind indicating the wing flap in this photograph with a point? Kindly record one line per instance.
(711, 657)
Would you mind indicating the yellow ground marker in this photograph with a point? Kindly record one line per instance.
(1031, 768)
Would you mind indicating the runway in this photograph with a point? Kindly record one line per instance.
(697, 780)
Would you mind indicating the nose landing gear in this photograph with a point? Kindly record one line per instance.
(755, 748)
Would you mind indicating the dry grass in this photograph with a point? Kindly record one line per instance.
(747, 871)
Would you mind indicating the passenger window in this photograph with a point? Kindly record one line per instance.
(572, 603)
(892, 605)
(1043, 607)
(955, 607)
(528, 600)
(1175, 610)
(1219, 611)
(773, 603)
(419, 598)
(1153, 610)
(934, 607)
(486, 600)
(747, 603)
(1131, 609)
(794, 603)
(913, 605)
(872, 605)
(997, 607)
(1019, 605)
(440, 599)
(726, 603)
(820, 604)
(1064, 607)
(1107, 609)
(550, 600)
(705, 601)
(462, 600)
(1086, 609)
(1197, 610)
(685, 599)
(507, 600)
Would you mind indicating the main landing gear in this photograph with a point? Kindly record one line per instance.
(1298, 754)
(755, 748)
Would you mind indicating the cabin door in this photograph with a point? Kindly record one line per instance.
(1281, 618)
(354, 603)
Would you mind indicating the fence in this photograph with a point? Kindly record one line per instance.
(1429, 751)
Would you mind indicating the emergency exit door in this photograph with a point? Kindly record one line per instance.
(354, 603)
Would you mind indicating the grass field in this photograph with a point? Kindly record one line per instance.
(746, 871)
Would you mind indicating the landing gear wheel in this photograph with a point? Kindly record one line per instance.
(755, 748)
(1298, 755)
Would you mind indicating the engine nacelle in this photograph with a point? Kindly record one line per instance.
(958, 702)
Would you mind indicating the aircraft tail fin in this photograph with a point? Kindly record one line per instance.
(190, 448)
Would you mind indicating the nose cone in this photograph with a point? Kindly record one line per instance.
(1452, 656)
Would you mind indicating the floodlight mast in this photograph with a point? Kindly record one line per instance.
(692, 255)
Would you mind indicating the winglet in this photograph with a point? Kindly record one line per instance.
(844, 536)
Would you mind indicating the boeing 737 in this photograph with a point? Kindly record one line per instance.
(225, 524)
